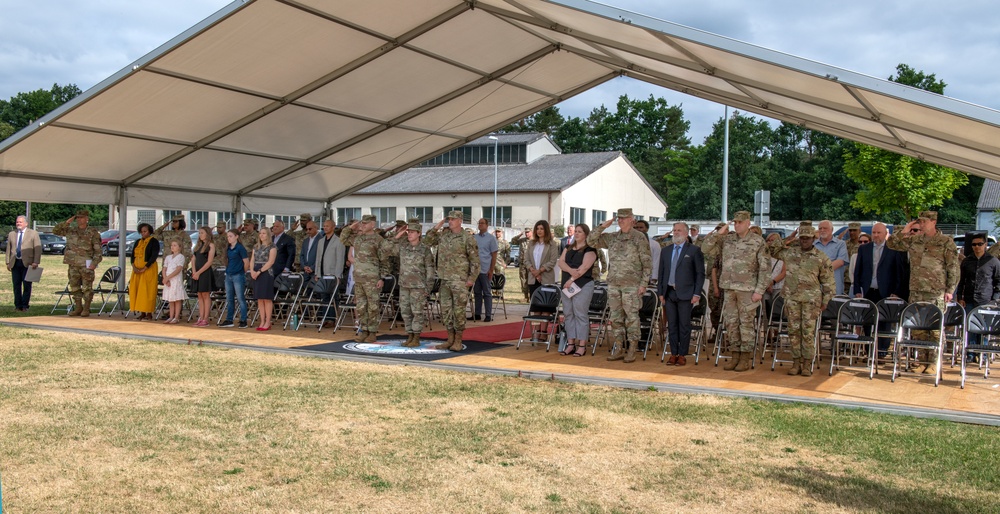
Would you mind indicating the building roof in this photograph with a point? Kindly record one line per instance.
(989, 197)
(548, 173)
(523, 138)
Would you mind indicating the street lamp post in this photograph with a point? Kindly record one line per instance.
(496, 170)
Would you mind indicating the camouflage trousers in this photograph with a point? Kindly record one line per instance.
(623, 309)
(739, 314)
(523, 273)
(366, 293)
(411, 303)
(715, 308)
(453, 296)
(937, 298)
(81, 282)
(802, 318)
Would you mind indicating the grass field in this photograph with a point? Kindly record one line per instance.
(101, 424)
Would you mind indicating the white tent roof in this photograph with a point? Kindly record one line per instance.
(281, 106)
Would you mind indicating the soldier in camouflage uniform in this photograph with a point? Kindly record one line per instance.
(630, 266)
(522, 240)
(503, 254)
(746, 272)
(416, 279)
(696, 239)
(248, 234)
(83, 244)
(221, 243)
(853, 242)
(458, 267)
(809, 287)
(934, 269)
(371, 259)
(176, 233)
(299, 234)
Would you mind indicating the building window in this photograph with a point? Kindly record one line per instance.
(384, 215)
(597, 217)
(168, 216)
(503, 215)
(197, 219)
(482, 154)
(654, 218)
(225, 217)
(466, 213)
(145, 216)
(637, 217)
(577, 216)
(346, 214)
(287, 220)
(261, 219)
(425, 214)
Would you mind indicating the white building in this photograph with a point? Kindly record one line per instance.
(534, 181)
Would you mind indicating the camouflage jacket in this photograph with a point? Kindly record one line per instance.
(630, 262)
(458, 255)
(746, 265)
(994, 250)
(221, 243)
(182, 238)
(416, 266)
(371, 254)
(503, 255)
(248, 240)
(82, 244)
(934, 264)
(809, 274)
(299, 236)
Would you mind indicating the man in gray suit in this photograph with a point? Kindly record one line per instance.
(329, 259)
(681, 277)
(24, 250)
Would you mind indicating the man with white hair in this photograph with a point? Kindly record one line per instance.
(24, 250)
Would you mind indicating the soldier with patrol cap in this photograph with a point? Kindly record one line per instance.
(853, 242)
(221, 243)
(248, 234)
(934, 268)
(176, 233)
(809, 287)
(371, 259)
(629, 268)
(299, 234)
(458, 267)
(416, 279)
(746, 272)
(82, 254)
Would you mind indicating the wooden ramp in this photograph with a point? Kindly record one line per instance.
(848, 386)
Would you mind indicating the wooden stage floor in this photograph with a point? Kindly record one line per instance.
(849, 387)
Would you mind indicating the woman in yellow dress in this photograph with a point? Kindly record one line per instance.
(142, 288)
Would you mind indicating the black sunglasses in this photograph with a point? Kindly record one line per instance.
(978, 244)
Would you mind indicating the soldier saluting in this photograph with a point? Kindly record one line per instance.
(83, 253)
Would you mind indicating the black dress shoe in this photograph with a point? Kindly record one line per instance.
(488, 319)
(474, 318)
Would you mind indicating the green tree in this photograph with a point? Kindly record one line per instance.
(6, 130)
(547, 120)
(891, 182)
(24, 108)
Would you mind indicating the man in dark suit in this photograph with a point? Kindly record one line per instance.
(879, 272)
(24, 250)
(285, 260)
(307, 258)
(681, 277)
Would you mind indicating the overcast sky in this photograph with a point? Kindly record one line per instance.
(83, 42)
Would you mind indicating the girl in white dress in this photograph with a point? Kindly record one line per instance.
(173, 281)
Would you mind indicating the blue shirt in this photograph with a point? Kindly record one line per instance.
(236, 255)
(487, 245)
(835, 249)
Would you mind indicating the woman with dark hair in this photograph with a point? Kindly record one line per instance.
(142, 286)
(576, 262)
(540, 261)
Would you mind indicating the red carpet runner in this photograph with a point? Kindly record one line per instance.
(490, 333)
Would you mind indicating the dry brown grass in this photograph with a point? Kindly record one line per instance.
(102, 424)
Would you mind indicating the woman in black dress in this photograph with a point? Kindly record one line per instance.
(201, 275)
(262, 273)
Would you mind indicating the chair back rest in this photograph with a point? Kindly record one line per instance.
(858, 312)
(890, 310)
(984, 320)
(954, 316)
(288, 282)
(219, 279)
(699, 310)
(388, 285)
(833, 308)
(325, 285)
(499, 282)
(112, 274)
(599, 301)
(545, 299)
(650, 302)
(436, 287)
(921, 316)
(777, 313)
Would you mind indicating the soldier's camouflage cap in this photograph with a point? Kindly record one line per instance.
(412, 220)
(741, 216)
(178, 217)
(221, 223)
(853, 226)
(305, 216)
(930, 215)
(455, 214)
(250, 220)
(720, 225)
(805, 223)
(401, 223)
(807, 231)
(625, 212)
(415, 226)
(83, 213)
(368, 218)
(695, 227)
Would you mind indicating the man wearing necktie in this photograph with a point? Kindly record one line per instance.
(679, 284)
(24, 250)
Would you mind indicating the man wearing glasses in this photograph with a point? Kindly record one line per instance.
(979, 282)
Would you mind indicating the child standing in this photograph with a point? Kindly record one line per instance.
(173, 281)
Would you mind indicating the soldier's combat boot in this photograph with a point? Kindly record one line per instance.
(807, 367)
(617, 352)
(409, 343)
(78, 307)
(456, 344)
(734, 359)
(85, 312)
(370, 338)
(746, 359)
(361, 336)
(447, 344)
(796, 367)
(630, 353)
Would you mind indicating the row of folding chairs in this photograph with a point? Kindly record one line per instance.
(108, 289)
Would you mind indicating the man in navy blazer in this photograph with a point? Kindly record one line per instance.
(877, 280)
(285, 260)
(681, 277)
(307, 258)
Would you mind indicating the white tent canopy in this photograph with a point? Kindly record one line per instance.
(283, 106)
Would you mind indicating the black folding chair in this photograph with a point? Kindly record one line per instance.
(954, 329)
(855, 319)
(919, 316)
(649, 321)
(318, 305)
(108, 288)
(889, 312)
(497, 285)
(983, 321)
(544, 310)
(597, 313)
(776, 333)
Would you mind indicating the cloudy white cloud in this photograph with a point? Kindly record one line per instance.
(63, 41)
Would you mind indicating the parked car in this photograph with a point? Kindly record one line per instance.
(53, 244)
(130, 239)
(515, 256)
(110, 235)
